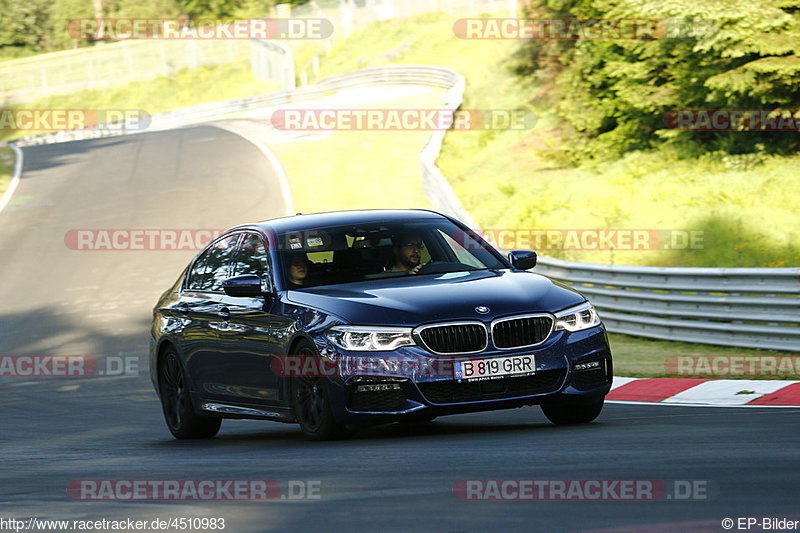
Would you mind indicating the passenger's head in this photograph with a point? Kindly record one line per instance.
(298, 268)
(407, 248)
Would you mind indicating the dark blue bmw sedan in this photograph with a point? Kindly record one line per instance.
(339, 320)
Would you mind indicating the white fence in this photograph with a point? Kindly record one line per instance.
(396, 75)
(106, 65)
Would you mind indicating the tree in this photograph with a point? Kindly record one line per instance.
(24, 23)
(615, 94)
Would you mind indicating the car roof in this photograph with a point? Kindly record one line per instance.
(301, 222)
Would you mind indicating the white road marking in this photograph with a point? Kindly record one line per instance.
(283, 179)
(631, 402)
(728, 392)
(12, 186)
(620, 381)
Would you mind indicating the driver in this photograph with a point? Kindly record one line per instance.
(407, 248)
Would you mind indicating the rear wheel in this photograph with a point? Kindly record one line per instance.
(580, 410)
(311, 403)
(176, 403)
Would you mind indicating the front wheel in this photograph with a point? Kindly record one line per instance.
(580, 410)
(176, 403)
(312, 407)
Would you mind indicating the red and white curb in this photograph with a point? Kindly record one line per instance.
(710, 392)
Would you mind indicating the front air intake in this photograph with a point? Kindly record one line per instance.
(457, 338)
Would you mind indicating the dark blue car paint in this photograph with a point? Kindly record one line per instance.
(232, 363)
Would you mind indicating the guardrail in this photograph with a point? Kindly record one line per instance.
(394, 75)
(437, 190)
(745, 307)
(348, 16)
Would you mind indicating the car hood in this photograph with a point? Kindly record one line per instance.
(412, 300)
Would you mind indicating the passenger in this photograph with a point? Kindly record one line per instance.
(407, 257)
(297, 270)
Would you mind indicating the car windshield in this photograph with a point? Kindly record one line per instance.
(349, 253)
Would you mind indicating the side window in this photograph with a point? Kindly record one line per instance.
(252, 257)
(196, 274)
(214, 266)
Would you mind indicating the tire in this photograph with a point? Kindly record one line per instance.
(311, 403)
(176, 402)
(566, 411)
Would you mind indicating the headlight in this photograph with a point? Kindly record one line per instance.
(369, 338)
(577, 318)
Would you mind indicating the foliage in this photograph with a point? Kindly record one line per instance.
(615, 93)
(23, 23)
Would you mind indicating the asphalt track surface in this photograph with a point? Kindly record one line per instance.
(58, 301)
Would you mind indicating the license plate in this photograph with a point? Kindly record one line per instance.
(499, 367)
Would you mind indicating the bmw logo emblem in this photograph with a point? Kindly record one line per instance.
(482, 309)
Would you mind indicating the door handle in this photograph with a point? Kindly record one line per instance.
(224, 313)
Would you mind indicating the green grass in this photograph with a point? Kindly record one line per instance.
(745, 206)
(186, 88)
(384, 175)
(638, 357)
(9, 53)
(748, 218)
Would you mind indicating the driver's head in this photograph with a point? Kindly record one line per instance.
(298, 268)
(407, 249)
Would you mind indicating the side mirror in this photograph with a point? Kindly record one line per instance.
(522, 259)
(247, 286)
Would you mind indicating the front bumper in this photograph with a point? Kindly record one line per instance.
(426, 388)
